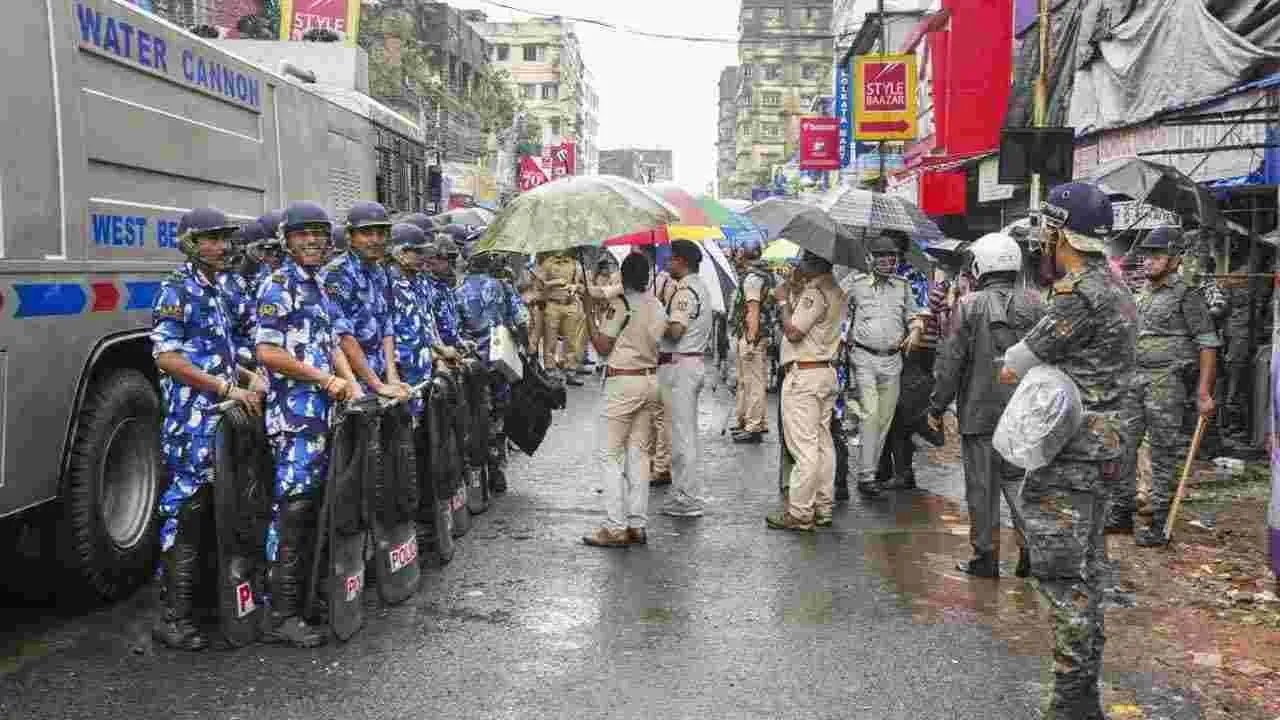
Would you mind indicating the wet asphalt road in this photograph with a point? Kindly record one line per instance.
(716, 618)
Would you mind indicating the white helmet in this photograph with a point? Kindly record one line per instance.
(995, 252)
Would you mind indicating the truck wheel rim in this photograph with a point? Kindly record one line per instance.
(128, 476)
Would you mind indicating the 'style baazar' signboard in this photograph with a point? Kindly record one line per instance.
(885, 97)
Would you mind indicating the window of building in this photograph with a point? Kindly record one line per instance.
(772, 14)
(535, 53)
(771, 99)
(809, 71)
(528, 91)
(748, 14)
(770, 130)
(772, 72)
(746, 71)
(555, 126)
(813, 15)
(550, 91)
(502, 53)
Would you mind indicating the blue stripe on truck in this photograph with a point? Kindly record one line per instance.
(142, 295)
(48, 299)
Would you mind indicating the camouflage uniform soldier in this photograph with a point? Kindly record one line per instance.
(1177, 346)
(1088, 333)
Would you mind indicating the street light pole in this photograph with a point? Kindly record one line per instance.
(1041, 108)
(882, 181)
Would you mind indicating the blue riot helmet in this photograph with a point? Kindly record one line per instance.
(270, 222)
(202, 223)
(267, 249)
(1082, 213)
(241, 239)
(422, 221)
(367, 215)
(307, 233)
(408, 245)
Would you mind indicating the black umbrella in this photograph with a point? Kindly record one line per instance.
(806, 225)
(1161, 186)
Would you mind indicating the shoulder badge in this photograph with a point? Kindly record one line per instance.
(1065, 286)
(279, 276)
(169, 312)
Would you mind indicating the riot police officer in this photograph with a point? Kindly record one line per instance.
(483, 304)
(1089, 333)
(1177, 351)
(357, 285)
(266, 253)
(236, 284)
(438, 277)
(300, 331)
(411, 321)
(192, 343)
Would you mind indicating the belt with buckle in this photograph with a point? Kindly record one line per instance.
(668, 358)
(621, 372)
(873, 351)
(808, 364)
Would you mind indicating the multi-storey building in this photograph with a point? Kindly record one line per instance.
(784, 60)
(230, 18)
(726, 130)
(625, 163)
(544, 61)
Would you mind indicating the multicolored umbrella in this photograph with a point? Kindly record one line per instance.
(576, 211)
(690, 211)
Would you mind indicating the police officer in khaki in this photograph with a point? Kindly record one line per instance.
(681, 374)
(884, 321)
(811, 325)
(531, 292)
(663, 287)
(752, 346)
(628, 334)
(562, 316)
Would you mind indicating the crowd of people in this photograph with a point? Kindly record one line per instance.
(271, 316)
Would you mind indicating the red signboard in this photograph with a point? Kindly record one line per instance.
(819, 143)
(531, 176)
(564, 160)
(885, 88)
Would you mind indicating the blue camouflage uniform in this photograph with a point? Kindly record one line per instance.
(443, 309)
(294, 313)
(413, 328)
(483, 304)
(189, 317)
(361, 293)
(241, 303)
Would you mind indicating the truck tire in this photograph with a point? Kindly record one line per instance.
(113, 486)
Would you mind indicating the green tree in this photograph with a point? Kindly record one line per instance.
(494, 100)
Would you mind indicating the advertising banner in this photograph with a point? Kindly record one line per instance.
(531, 175)
(819, 143)
(844, 113)
(885, 93)
(564, 160)
(340, 16)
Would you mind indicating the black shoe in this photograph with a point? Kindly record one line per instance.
(1024, 563)
(176, 627)
(1120, 523)
(842, 491)
(572, 380)
(982, 565)
(870, 489)
(748, 438)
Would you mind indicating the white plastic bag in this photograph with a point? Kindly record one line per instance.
(503, 354)
(1043, 415)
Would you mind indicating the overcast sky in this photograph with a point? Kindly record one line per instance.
(653, 92)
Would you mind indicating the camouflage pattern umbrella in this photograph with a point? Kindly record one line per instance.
(575, 212)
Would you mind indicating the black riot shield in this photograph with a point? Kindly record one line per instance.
(394, 508)
(435, 519)
(243, 478)
(453, 470)
(475, 416)
(355, 465)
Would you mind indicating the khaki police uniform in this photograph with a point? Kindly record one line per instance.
(563, 282)
(751, 361)
(809, 398)
(531, 292)
(663, 287)
(882, 310)
(597, 306)
(681, 375)
(636, 321)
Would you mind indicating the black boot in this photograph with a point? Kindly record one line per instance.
(842, 489)
(1120, 522)
(286, 578)
(870, 489)
(1153, 535)
(1024, 563)
(983, 564)
(175, 627)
